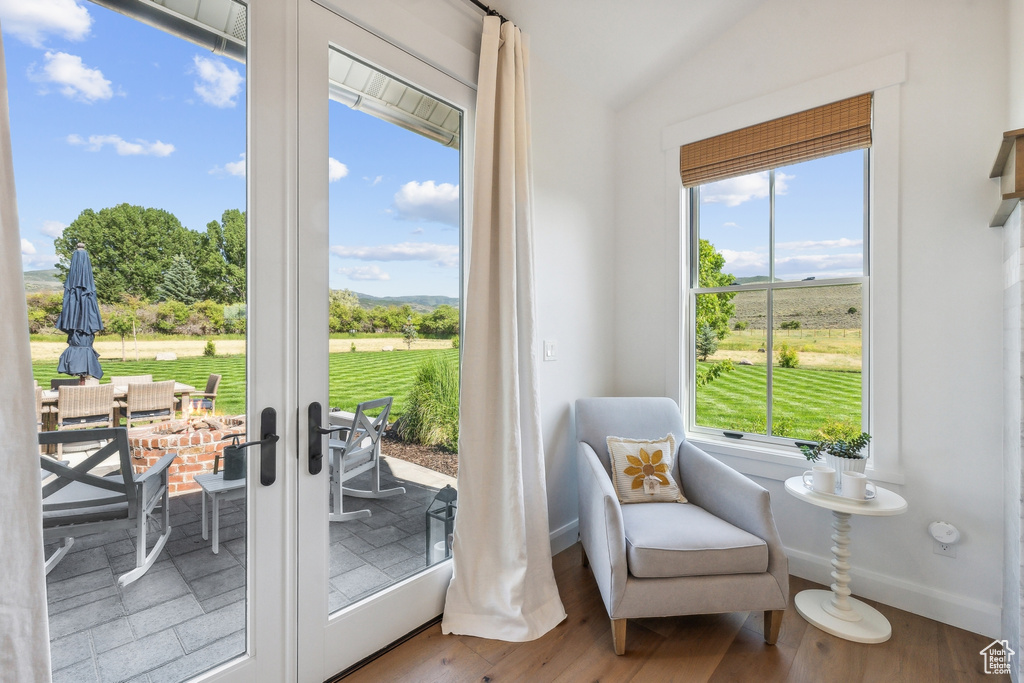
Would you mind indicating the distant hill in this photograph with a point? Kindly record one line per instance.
(420, 304)
(752, 279)
(42, 281)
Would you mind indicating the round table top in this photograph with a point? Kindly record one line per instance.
(884, 503)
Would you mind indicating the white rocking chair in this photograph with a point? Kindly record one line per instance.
(358, 453)
(78, 502)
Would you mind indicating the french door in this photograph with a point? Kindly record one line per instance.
(338, 626)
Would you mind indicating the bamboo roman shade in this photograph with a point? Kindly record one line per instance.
(830, 129)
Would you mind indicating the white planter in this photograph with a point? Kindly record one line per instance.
(845, 465)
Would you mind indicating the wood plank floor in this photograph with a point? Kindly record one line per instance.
(722, 648)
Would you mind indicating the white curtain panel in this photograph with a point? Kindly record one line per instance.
(24, 630)
(503, 585)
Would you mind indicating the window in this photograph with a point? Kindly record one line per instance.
(778, 290)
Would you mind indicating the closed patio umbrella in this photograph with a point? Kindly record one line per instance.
(80, 318)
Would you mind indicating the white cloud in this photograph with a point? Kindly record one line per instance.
(841, 243)
(31, 259)
(52, 228)
(418, 231)
(735, 191)
(30, 21)
(741, 263)
(364, 273)
(218, 84)
(446, 255)
(818, 265)
(235, 168)
(729, 224)
(27, 248)
(375, 181)
(429, 202)
(335, 170)
(74, 79)
(124, 148)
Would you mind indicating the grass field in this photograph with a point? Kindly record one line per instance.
(355, 377)
(803, 398)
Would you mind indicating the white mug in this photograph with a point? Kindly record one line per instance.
(855, 485)
(823, 479)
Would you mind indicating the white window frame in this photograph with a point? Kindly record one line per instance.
(883, 78)
(693, 291)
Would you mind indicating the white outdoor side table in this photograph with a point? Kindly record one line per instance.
(217, 489)
(834, 611)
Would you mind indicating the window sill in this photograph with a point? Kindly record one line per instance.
(769, 462)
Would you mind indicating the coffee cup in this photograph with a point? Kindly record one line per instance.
(855, 485)
(823, 479)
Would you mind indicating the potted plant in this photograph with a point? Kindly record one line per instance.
(842, 446)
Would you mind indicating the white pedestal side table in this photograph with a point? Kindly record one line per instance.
(835, 611)
(218, 489)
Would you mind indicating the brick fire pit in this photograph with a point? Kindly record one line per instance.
(196, 441)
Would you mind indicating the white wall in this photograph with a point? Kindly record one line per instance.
(949, 356)
(573, 221)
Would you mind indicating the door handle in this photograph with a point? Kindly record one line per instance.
(267, 444)
(315, 442)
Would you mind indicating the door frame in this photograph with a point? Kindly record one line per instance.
(328, 643)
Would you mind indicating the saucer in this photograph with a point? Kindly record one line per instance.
(869, 496)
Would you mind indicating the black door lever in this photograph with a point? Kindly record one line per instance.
(315, 442)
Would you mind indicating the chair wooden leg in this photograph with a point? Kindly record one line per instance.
(772, 625)
(583, 557)
(619, 636)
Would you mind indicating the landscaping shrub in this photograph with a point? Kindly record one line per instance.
(210, 349)
(740, 325)
(170, 315)
(432, 407)
(787, 356)
(706, 342)
(790, 325)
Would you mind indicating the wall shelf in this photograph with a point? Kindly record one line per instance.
(1009, 168)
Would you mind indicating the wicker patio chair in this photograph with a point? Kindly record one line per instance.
(205, 400)
(84, 407)
(149, 402)
(124, 381)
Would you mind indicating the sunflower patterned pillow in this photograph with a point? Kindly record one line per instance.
(642, 470)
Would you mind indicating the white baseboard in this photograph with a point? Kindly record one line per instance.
(564, 536)
(948, 608)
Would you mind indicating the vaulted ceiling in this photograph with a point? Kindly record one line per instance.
(619, 48)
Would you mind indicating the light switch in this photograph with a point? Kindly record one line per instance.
(550, 350)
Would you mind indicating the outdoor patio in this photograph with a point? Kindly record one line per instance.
(187, 614)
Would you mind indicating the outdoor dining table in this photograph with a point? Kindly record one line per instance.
(121, 392)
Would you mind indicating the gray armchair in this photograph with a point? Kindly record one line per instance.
(718, 553)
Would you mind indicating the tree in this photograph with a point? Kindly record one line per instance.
(130, 247)
(442, 321)
(409, 332)
(180, 282)
(221, 268)
(787, 356)
(122, 322)
(714, 310)
(707, 342)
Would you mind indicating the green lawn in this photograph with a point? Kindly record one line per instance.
(802, 397)
(355, 377)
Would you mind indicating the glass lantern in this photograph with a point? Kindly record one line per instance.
(440, 518)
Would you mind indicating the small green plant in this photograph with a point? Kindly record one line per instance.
(210, 349)
(432, 407)
(706, 342)
(455, 342)
(353, 349)
(852, 310)
(787, 356)
(714, 372)
(790, 325)
(740, 325)
(840, 447)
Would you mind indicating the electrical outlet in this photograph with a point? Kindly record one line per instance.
(944, 549)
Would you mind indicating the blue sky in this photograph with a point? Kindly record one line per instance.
(819, 219)
(106, 110)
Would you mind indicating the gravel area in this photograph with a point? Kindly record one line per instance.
(431, 457)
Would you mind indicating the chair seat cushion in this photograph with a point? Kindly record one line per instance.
(671, 540)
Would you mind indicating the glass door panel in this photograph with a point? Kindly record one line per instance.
(381, 203)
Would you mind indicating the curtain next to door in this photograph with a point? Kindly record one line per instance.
(24, 630)
(503, 586)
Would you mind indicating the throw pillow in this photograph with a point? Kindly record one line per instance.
(642, 470)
